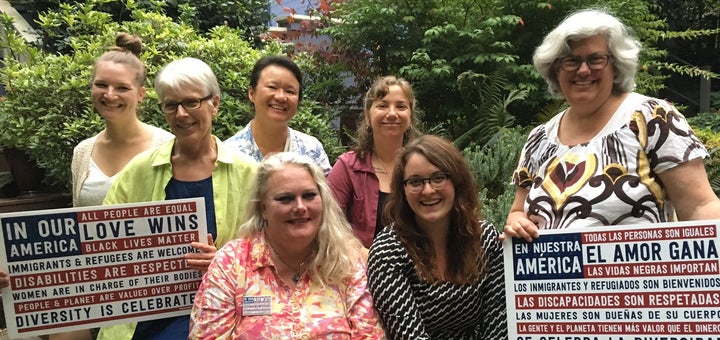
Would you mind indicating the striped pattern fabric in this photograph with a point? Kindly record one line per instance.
(415, 309)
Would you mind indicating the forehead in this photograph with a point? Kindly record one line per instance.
(185, 92)
(291, 177)
(591, 44)
(277, 73)
(419, 165)
(112, 70)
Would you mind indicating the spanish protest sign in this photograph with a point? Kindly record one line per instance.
(79, 268)
(645, 282)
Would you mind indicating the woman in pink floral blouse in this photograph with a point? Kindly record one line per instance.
(296, 271)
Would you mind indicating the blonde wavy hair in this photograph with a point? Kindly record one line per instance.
(338, 250)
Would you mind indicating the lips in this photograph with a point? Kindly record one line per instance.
(277, 107)
(431, 202)
(299, 221)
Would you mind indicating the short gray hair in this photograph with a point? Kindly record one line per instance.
(186, 73)
(624, 47)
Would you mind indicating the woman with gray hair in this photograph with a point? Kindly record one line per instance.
(295, 271)
(193, 164)
(613, 156)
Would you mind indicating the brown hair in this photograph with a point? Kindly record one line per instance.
(380, 88)
(126, 51)
(466, 262)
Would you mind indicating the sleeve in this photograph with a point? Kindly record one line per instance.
(214, 313)
(362, 316)
(391, 289)
(322, 159)
(75, 173)
(340, 184)
(495, 323)
(667, 136)
(528, 162)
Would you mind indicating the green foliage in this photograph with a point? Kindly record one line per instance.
(65, 19)
(48, 110)
(449, 48)
(707, 128)
(492, 166)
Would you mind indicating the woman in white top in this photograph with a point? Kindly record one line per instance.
(117, 90)
(118, 87)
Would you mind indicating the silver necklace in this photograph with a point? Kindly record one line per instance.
(296, 276)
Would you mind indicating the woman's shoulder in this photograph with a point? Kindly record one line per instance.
(306, 139)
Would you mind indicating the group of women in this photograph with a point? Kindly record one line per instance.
(297, 231)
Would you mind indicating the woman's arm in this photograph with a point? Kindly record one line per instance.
(689, 190)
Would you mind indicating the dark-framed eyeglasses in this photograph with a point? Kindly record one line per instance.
(416, 184)
(594, 62)
(187, 104)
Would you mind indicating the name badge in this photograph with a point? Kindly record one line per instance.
(257, 305)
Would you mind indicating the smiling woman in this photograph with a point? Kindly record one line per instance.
(275, 91)
(633, 159)
(295, 271)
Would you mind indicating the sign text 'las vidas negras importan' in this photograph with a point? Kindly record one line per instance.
(80, 268)
(642, 282)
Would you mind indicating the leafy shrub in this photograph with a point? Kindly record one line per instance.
(492, 166)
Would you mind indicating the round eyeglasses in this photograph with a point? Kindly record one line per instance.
(187, 104)
(416, 184)
(594, 62)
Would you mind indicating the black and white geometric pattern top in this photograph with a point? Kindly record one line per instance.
(415, 309)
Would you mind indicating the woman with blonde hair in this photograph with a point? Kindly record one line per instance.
(296, 269)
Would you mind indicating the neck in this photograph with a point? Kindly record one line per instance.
(385, 148)
(269, 138)
(125, 131)
(192, 150)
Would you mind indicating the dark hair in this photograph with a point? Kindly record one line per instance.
(364, 143)
(466, 260)
(277, 60)
(126, 51)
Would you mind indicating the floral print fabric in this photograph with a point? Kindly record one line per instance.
(244, 269)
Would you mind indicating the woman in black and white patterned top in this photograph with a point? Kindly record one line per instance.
(437, 271)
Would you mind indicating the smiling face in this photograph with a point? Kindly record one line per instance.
(587, 89)
(115, 92)
(191, 125)
(390, 116)
(292, 207)
(433, 203)
(276, 95)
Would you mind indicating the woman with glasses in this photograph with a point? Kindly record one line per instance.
(194, 164)
(360, 179)
(613, 156)
(275, 91)
(436, 272)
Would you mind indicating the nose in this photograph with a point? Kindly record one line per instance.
(584, 67)
(392, 112)
(426, 184)
(180, 110)
(299, 204)
(281, 95)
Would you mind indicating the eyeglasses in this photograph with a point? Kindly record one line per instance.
(416, 184)
(595, 62)
(187, 104)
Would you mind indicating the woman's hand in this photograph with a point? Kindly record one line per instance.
(201, 261)
(521, 226)
(4, 279)
(518, 223)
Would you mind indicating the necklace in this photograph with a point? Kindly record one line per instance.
(382, 169)
(296, 276)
